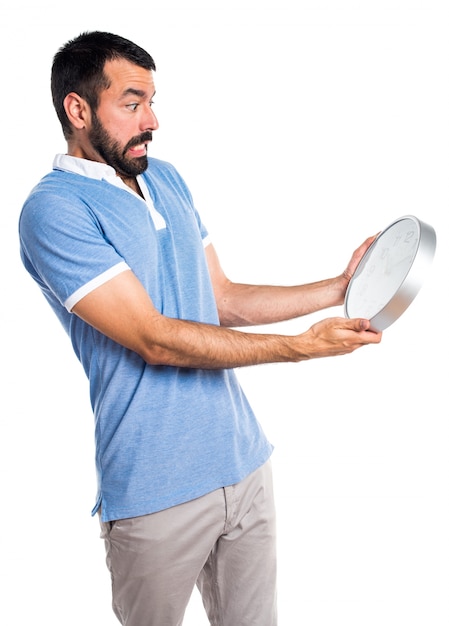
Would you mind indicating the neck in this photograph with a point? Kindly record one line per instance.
(133, 184)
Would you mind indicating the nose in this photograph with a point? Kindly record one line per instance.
(149, 119)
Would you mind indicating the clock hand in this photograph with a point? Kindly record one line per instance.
(407, 258)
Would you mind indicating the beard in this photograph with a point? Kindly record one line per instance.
(114, 154)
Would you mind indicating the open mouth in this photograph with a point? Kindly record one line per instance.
(139, 150)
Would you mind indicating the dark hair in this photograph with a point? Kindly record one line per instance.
(78, 66)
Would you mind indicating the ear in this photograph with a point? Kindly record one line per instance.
(77, 110)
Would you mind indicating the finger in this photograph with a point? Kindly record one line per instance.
(362, 324)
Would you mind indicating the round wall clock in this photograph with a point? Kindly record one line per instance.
(391, 272)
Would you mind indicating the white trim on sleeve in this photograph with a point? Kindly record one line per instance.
(94, 283)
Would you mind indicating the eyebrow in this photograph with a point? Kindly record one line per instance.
(135, 92)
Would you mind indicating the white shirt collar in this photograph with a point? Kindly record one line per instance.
(91, 169)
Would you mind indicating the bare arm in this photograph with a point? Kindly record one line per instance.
(250, 305)
(122, 310)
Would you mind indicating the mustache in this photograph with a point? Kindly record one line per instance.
(135, 141)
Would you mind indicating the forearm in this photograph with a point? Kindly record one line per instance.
(189, 344)
(249, 305)
(242, 305)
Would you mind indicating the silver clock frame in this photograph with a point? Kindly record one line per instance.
(411, 283)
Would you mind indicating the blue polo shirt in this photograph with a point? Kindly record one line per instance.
(164, 435)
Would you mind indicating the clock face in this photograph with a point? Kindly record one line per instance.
(384, 282)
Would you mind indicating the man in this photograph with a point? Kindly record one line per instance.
(115, 243)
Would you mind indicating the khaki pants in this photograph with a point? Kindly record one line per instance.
(224, 542)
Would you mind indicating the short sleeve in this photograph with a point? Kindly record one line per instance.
(63, 247)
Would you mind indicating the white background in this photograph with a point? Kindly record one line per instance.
(301, 127)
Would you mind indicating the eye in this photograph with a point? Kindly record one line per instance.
(133, 106)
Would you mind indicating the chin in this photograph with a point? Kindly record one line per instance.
(134, 168)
